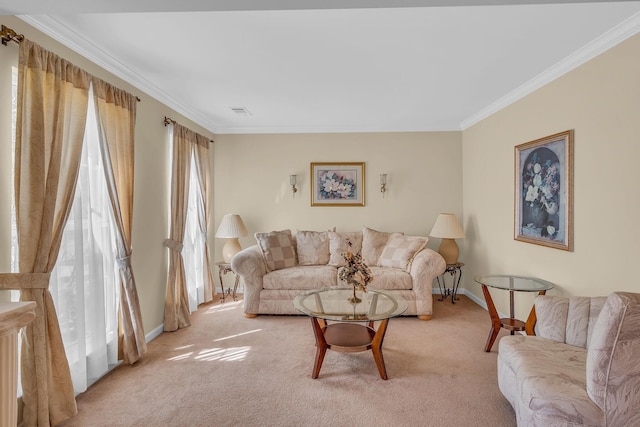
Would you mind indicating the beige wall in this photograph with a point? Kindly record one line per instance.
(601, 101)
(251, 178)
(150, 206)
(423, 170)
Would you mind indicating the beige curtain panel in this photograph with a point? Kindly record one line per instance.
(116, 111)
(53, 99)
(52, 112)
(176, 306)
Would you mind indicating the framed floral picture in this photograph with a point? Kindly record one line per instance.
(337, 184)
(544, 191)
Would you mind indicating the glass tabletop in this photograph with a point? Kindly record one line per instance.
(514, 283)
(333, 304)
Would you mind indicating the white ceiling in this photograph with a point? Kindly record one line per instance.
(334, 66)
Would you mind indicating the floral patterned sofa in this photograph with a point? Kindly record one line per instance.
(583, 367)
(281, 266)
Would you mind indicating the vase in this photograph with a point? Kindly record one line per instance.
(354, 299)
(538, 216)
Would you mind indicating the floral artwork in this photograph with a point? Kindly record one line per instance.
(543, 191)
(337, 184)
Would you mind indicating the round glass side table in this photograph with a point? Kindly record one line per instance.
(512, 284)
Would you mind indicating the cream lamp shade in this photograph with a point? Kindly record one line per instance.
(448, 229)
(231, 227)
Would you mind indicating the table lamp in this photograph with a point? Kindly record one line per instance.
(448, 229)
(231, 227)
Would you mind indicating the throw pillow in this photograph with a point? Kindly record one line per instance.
(373, 242)
(277, 249)
(338, 246)
(313, 247)
(400, 251)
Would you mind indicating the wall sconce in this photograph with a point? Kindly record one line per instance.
(292, 182)
(383, 183)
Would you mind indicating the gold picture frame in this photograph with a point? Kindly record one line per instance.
(337, 184)
(544, 191)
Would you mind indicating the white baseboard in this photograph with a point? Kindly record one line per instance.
(154, 333)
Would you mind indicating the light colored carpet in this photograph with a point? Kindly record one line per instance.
(226, 370)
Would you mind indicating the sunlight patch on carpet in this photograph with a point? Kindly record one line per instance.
(237, 335)
(225, 306)
(180, 357)
(223, 354)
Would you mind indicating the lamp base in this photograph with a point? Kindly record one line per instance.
(230, 248)
(449, 251)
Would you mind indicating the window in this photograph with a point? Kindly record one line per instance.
(83, 283)
(193, 252)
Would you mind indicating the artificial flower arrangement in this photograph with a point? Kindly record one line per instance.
(355, 272)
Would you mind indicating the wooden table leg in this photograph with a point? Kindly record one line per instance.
(495, 319)
(376, 348)
(532, 319)
(321, 345)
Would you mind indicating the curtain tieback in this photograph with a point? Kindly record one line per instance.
(17, 281)
(124, 262)
(173, 245)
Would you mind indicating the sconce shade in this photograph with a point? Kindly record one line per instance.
(448, 228)
(231, 227)
(292, 180)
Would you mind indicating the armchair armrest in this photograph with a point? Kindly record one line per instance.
(249, 264)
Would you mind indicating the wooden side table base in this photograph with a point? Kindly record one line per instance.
(509, 323)
(349, 338)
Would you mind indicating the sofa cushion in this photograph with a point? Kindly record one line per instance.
(400, 250)
(390, 278)
(301, 277)
(373, 243)
(312, 247)
(551, 380)
(277, 249)
(338, 246)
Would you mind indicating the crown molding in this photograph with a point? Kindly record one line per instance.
(322, 129)
(74, 41)
(618, 34)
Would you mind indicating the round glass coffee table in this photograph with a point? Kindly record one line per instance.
(349, 334)
(510, 283)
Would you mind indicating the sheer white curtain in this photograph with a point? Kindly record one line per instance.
(194, 241)
(83, 282)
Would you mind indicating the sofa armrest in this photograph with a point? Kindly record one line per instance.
(426, 266)
(249, 264)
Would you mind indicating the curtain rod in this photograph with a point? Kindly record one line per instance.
(7, 35)
(167, 121)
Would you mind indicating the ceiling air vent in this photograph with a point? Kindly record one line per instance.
(241, 111)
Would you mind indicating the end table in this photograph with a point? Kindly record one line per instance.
(455, 270)
(512, 284)
(224, 268)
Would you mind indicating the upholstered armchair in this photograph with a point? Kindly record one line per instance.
(583, 367)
